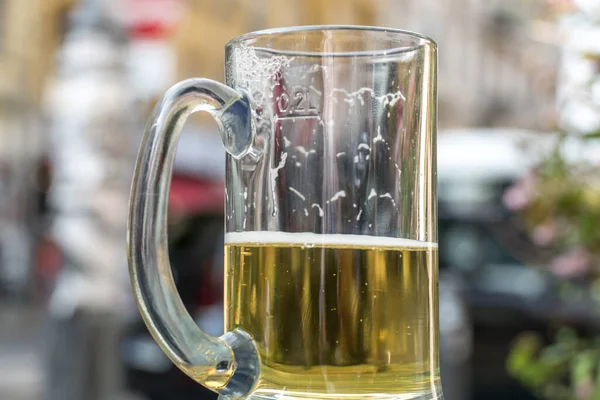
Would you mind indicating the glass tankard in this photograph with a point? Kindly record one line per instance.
(331, 232)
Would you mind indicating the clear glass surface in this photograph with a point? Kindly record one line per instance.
(345, 118)
(331, 243)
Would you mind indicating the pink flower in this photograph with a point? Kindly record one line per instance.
(574, 263)
(543, 235)
(521, 193)
(584, 390)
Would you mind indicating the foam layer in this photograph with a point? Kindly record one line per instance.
(329, 240)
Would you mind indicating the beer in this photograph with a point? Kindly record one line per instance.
(345, 314)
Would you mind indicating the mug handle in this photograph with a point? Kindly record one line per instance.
(228, 364)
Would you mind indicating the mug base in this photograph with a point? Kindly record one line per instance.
(284, 395)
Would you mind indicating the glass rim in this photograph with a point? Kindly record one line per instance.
(422, 40)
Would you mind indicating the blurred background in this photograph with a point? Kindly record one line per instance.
(519, 189)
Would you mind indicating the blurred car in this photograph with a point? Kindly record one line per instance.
(483, 248)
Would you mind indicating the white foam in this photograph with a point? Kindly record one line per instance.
(341, 193)
(308, 238)
(359, 214)
(297, 193)
(315, 205)
(378, 138)
(372, 194)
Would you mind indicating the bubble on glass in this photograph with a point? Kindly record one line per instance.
(251, 71)
(258, 76)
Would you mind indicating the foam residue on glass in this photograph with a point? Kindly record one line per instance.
(308, 113)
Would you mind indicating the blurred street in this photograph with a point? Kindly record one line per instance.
(21, 353)
(21, 369)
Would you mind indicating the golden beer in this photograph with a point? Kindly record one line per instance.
(345, 314)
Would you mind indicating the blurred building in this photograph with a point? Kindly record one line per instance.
(579, 81)
(31, 31)
(206, 26)
(498, 61)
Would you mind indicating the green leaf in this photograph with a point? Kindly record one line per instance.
(582, 367)
(592, 135)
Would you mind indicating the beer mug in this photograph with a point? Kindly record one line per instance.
(331, 232)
